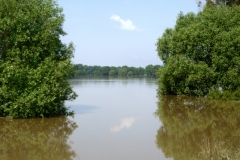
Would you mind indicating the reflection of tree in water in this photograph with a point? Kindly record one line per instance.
(194, 128)
(36, 139)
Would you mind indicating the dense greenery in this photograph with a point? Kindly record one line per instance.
(198, 129)
(123, 71)
(217, 3)
(201, 54)
(34, 63)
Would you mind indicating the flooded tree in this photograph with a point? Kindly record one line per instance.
(34, 64)
(201, 54)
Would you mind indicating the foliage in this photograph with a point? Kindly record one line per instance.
(224, 95)
(36, 139)
(112, 72)
(210, 3)
(184, 76)
(34, 64)
(80, 69)
(195, 128)
(129, 74)
(227, 2)
(209, 39)
(151, 70)
(122, 72)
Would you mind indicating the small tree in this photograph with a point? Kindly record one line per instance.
(34, 64)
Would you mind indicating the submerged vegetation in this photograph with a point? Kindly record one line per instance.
(201, 54)
(34, 63)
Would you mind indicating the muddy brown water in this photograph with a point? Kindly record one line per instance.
(125, 119)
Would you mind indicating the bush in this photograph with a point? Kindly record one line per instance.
(184, 76)
(34, 64)
(208, 43)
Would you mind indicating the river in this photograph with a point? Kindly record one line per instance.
(125, 119)
(115, 118)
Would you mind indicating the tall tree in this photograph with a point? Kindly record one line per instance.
(227, 2)
(34, 63)
(202, 53)
(218, 2)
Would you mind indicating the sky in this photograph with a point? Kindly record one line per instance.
(119, 32)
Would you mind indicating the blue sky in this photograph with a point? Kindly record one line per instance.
(117, 33)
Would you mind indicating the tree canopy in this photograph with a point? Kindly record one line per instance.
(201, 54)
(225, 2)
(34, 63)
(217, 2)
(149, 70)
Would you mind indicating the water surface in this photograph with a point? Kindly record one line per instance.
(116, 119)
(125, 119)
(198, 129)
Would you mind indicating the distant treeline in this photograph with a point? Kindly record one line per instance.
(149, 70)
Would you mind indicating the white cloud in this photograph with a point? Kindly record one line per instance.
(125, 123)
(127, 25)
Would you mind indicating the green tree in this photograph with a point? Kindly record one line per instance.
(149, 70)
(184, 76)
(104, 70)
(129, 73)
(140, 71)
(112, 72)
(78, 69)
(209, 40)
(133, 70)
(226, 2)
(96, 72)
(209, 3)
(34, 64)
(122, 72)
